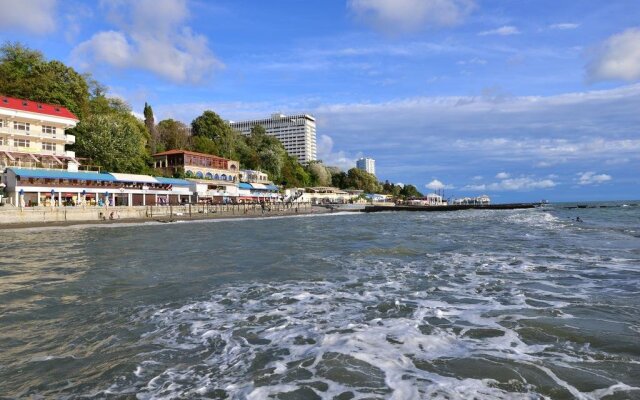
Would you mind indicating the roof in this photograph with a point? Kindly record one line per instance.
(259, 186)
(193, 153)
(62, 174)
(12, 103)
(134, 178)
(173, 181)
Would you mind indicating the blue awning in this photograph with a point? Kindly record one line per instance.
(62, 174)
(244, 185)
(272, 187)
(172, 181)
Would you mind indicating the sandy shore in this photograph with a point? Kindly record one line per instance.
(167, 219)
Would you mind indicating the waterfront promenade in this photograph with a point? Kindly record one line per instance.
(51, 216)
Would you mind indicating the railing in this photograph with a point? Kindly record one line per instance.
(38, 134)
(31, 164)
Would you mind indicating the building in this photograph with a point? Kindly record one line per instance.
(431, 199)
(32, 135)
(320, 195)
(480, 200)
(253, 176)
(297, 133)
(367, 164)
(214, 179)
(55, 187)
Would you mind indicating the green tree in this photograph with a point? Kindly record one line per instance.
(114, 140)
(171, 134)
(24, 73)
(359, 179)
(320, 175)
(150, 124)
(203, 144)
(410, 191)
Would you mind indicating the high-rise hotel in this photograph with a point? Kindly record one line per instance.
(367, 164)
(297, 133)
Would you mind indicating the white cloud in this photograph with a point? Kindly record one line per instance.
(33, 16)
(617, 58)
(591, 178)
(437, 185)
(502, 175)
(514, 184)
(473, 61)
(332, 158)
(152, 36)
(564, 26)
(395, 16)
(506, 30)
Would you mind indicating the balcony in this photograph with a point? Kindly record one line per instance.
(70, 154)
(37, 134)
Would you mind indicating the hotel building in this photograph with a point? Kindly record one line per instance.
(367, 164)
(214, 179)
(37, 170)
(32, 135)
(297, 133)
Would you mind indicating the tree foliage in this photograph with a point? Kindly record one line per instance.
(171, 134)
(114, 141)
(26, 74)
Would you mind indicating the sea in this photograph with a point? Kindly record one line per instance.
(476, 304)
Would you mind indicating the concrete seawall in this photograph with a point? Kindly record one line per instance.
(11, 216)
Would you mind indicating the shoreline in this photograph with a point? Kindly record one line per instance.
(167, 219)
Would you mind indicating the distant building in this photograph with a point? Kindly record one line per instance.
(32, 135)
(297, 133)
(482, 200)
(367, 164)
(253, 176)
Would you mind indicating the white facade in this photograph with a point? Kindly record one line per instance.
(32, 135)
(297, 133)
(367, 164)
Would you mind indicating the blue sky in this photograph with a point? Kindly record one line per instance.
(521, 100)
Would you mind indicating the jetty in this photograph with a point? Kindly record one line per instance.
(452, 207)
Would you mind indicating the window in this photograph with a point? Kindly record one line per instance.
(1, 141)
(21, 143)
(48, 146)
(49, 129)
(1, 123)
(21, 126)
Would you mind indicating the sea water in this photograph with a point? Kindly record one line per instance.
(523, 304)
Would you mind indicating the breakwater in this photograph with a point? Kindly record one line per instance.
(453, 207)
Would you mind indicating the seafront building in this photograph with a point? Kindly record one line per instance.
(367, 164)
(213, 179)
(37, 170)
(481, 200)
(32, 187)
(32, 135)
(297, 133)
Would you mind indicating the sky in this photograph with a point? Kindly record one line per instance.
(522, 100)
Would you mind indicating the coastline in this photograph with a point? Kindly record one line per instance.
(166, 218)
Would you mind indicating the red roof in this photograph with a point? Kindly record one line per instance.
(193, 153)
(36, 107)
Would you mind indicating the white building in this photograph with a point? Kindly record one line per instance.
(297, 133)
(32, 135)
(367, 164)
